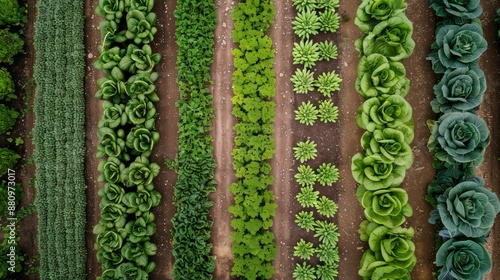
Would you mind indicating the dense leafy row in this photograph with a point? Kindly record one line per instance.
(195, 21)
(254, 247)
(387, 118)
(59, 139)
(464, 208)
(127, 136)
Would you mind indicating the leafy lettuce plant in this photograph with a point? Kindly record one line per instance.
(111, 143)
(8, 117)
(141, 112)
(392, 144)
(327, 50)
(8, 158)
(391, 38)
(327, 111)
(139, 86)
(374, 174)
(457, 11)
(142, 200)
(456, 47)
(460, 89)
(138, 252)
(140, 230)
(111, 170)
(462, 259)
(111, 194)
(141, 141)
(140, 172)
(370, 12)
(373, 269)
(303, 81)
(468, 208)
(10, 45)
(140, 27)
(393, 112)
(329, 20)
(11, 13)
(144, 6)
(139, 60)
(112, 10)
(7, 89)
(380, 77)
(305, 53)
(109, 58)
(110, 33)
(113, 115)
(459, 138)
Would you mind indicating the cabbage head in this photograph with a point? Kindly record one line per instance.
(374, 174)
(391, 38)
(468, 208)
(371, 12)
(462, 259)
(387, 207)
(457, 46)
(457, 11)
(373, 269)
(391, 144)
(380, 77)
(393, 112)
(460, 89)
(459, 138)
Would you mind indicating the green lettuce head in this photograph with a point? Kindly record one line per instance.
(391, 144)
(460, 89)
(457, 46)
(468, 208)
(459, 138)
(374, 174)
(391, 38)
(374, 269)
(457, 11)
(462, 259)
(393, 112)
(387, 207)
(380, 77)
(372, 11)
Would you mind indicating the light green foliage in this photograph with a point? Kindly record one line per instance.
(304, 5)
(7, 90)
(328, 253)
(371, 269)
(8, 159)
(371, 12)
(327, 50)
(463, 259)
(373, 173)
(10, 45)
(327, 4)
(307, 197)
(326, 207)
(307, 113)
(393, 112)
(328, 112)
(305, 176)
(303, 250)
(113, 115)
(304, 271)
(327, 174)
(109, 59)
(305, 53)
(305, 151)
(328, 82)
(326, 271)
(327, 232)
(11, 13)
(305, 220)
(392, 144)
(140, 27)
(303, 81)
(8, 117)
(329, 20)
(306, 23)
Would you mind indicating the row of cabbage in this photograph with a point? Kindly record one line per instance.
(253, 244)
(127, 136)
(195, 22)
(464, 208)
(59, 139)
(320, 247)
(387, 118)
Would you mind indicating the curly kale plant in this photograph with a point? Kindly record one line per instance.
(7, 90)
(393, 112)
(374, 174)
(457, 11)
(370, 12)
(460, 89)
(380, 77)
(391, 38)
(459, 138)
(468, 208)
(391, 144)
(462, 259)
(457, 46)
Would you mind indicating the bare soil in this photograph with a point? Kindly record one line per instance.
(337, 143)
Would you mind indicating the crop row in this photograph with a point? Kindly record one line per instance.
(387, 118)
(464, 208)
(59, 139)
(127, 136)
(254, 247)
(195, 21)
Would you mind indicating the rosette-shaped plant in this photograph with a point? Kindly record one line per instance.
(387, 207)
(141, 112)
(113, 215)
(109, 240)
(371, 12)
(109, 58)
(140, 27)
(142, 200)
(457, 46)
(7, 90)
(110, 32)
(113, 115)
(112, 87)
(138, 252)
(131, 271)
(142, 140)
(109, 260)
(139, 60)
(460, 89)
(392, 144)
(141, 229)
(373, 269)
(391, 38)
(305, 53)
(468, 208)
(462, 259)
(138, 85)
(306, 23)
(304, 5)
(111, 170)
(393, 112)
(380, 77)
(10, 45)
(111, 143)
(140, 172)
(459, 138)
(447, 178)
(374, 174)
(457, 11)
(111, 193)
(303, 81)
(112, 10)
(144, 6)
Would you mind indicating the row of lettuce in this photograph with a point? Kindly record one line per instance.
(464, 208)
(12, 19)
(387, 118)
(127, 136)
(59, 139)
(317, 251)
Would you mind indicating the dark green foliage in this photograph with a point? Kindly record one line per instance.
(11, 13)
(456, 11)
(59, 137)
(7, 91)
(462, 259)
(8, 117)
(10, 45)
(8, 159)
(253, 244)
